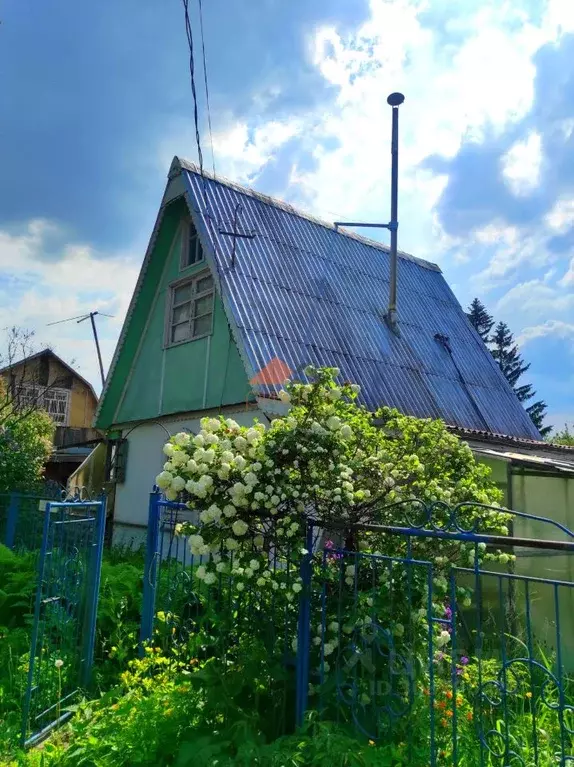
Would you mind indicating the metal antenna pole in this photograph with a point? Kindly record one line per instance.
(394, 100)
(91, 315)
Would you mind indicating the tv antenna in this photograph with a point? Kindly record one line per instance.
(82, 318)
(394, 101)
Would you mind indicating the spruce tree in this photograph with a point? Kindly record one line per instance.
(505, 352)
(480, 319)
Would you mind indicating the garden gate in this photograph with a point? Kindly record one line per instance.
(468, 664)
(64, 622)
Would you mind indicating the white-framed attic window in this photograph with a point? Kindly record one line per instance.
(190, 309)
(191, 250)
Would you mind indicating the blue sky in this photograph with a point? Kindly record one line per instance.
(96, 101)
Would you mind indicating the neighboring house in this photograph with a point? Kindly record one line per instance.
(46, 382)
(236, 287)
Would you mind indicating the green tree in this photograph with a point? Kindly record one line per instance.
(564, 437)
(480, 319)
(25, 445)
(505, 351)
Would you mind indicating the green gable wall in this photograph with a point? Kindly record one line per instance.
(150, 381)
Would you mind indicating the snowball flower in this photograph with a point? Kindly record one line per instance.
(215, 513)
(198, 440)
(195, 541)
(231, 424)
(231, 544)
(168, 466)
(240, 586)
(226, 456)
(346, 431)
(229, 510)
(443, 639)
(334, 422)
(240, 443)
(334, 394)
(182, 439)
(201, 572)
(251, 435)
(251, 478)
(177, 484)
(210, 578)
(191, 465)
(355, 388)
(296, 587)
(328, 648)
(58, 663)
(208, 456)
(164, 479)
(239, 462)
(239, 527)
(168, 449)
(178, 458)
(284, 396)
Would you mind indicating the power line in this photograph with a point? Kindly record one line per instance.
(189, 34)
(206, 85)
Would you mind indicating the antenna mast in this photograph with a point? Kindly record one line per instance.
(394, 100)
(82, 318)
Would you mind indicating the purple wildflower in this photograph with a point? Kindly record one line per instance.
(464, 660)
(448, 612)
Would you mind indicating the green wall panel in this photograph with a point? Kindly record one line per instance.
(206, 373)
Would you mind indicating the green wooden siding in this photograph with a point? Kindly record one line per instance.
(206, 373)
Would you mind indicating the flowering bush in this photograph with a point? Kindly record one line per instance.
(328, 459)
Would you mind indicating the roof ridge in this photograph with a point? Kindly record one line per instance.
(179, 163)
(50, 351)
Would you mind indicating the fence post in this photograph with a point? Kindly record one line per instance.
(93, 590)
(304, 632)
(12, 520)
(150, 570)
(34, 639)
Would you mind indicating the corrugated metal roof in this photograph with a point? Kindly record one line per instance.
(305, 293)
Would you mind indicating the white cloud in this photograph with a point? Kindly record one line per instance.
(241, 149)
(454, 93)
(522, 163)
(35, 291)
(568, 278)
(554, 328)
(535, 300)
(561, 218)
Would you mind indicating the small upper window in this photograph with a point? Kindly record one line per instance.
(191, 250)
(191, 309)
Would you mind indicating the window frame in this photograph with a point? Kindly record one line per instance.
(186, 234)
(182, 282)
(33, 396)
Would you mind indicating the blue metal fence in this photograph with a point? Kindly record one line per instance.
(21, 517)
(64, 621)
(463, 661)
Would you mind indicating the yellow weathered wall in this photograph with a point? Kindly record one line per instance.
(82, 402)
(82, 406)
